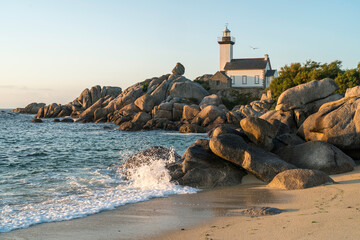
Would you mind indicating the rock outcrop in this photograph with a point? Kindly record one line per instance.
(337, 123)
(233, 148)
(318, 155)
(203, 169)
(299, 179)
(32, 108)
(297, 97)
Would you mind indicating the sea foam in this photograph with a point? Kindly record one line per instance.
(143, 183)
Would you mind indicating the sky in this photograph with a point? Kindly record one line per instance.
(50, 51)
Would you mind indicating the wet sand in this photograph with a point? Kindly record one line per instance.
(324, 212)
(156, 217)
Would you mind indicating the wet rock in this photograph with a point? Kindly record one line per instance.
(299, 179)
(130, 126)
(37, 120)
(67, 120)
(203, 169)
(191, 128)
(255, 211)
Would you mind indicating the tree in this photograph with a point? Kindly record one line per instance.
(297, 73)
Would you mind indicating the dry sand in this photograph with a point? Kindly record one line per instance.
(325, 212)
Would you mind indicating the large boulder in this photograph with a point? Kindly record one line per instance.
(164, 110)
(31, 108)
(160, 93)
(221, 130)
(190, 111)
(203, 169)
(188, 89)
(110, 91)
(303, 94)
(262, 164)
(284, 117)
(129, 95)
(50, 111)
(337, 123)
(191, 128)
(299, 179)
(91, 110)
(352, 92)
(130, 126)
(141, 118)
(259, 131)
(211, 112)
(210, 100)
(319, 156)
(179, 69)
(145, 103)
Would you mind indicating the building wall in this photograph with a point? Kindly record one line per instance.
(226, 54)
(219, 85)
(236, 75)
(269, 79)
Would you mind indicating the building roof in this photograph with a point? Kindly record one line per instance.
(246, 63)
(270, 73)
(220, 76)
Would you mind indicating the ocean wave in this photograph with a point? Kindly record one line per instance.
(145, 182)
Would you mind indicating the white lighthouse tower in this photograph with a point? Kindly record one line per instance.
(226, 48)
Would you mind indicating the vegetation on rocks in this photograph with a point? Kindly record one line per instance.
(297, 73)
(204, 84)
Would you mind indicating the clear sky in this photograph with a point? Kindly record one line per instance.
(51, 50)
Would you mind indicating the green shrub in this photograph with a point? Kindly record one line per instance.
(204, 84)
(145, 86)
(297, 73)
(240, 99)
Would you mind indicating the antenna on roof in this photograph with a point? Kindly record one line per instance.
(226, 25)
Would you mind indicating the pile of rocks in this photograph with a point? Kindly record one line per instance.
(169, 102)
(311, 133)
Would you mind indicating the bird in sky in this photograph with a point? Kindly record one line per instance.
(253, 48)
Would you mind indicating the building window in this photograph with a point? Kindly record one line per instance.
(257, 79)
(233, 79)
(244, 79)
(217, 82)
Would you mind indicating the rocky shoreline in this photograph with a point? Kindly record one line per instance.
(312, 131)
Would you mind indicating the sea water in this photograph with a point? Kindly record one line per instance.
(55, 171)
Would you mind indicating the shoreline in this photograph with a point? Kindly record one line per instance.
(155, 217)
(323, 212)
(329, 211)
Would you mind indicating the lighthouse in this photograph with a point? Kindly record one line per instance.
(226, 48)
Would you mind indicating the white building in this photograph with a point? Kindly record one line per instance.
(243, 72)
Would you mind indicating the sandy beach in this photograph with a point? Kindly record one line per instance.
(325, 212)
